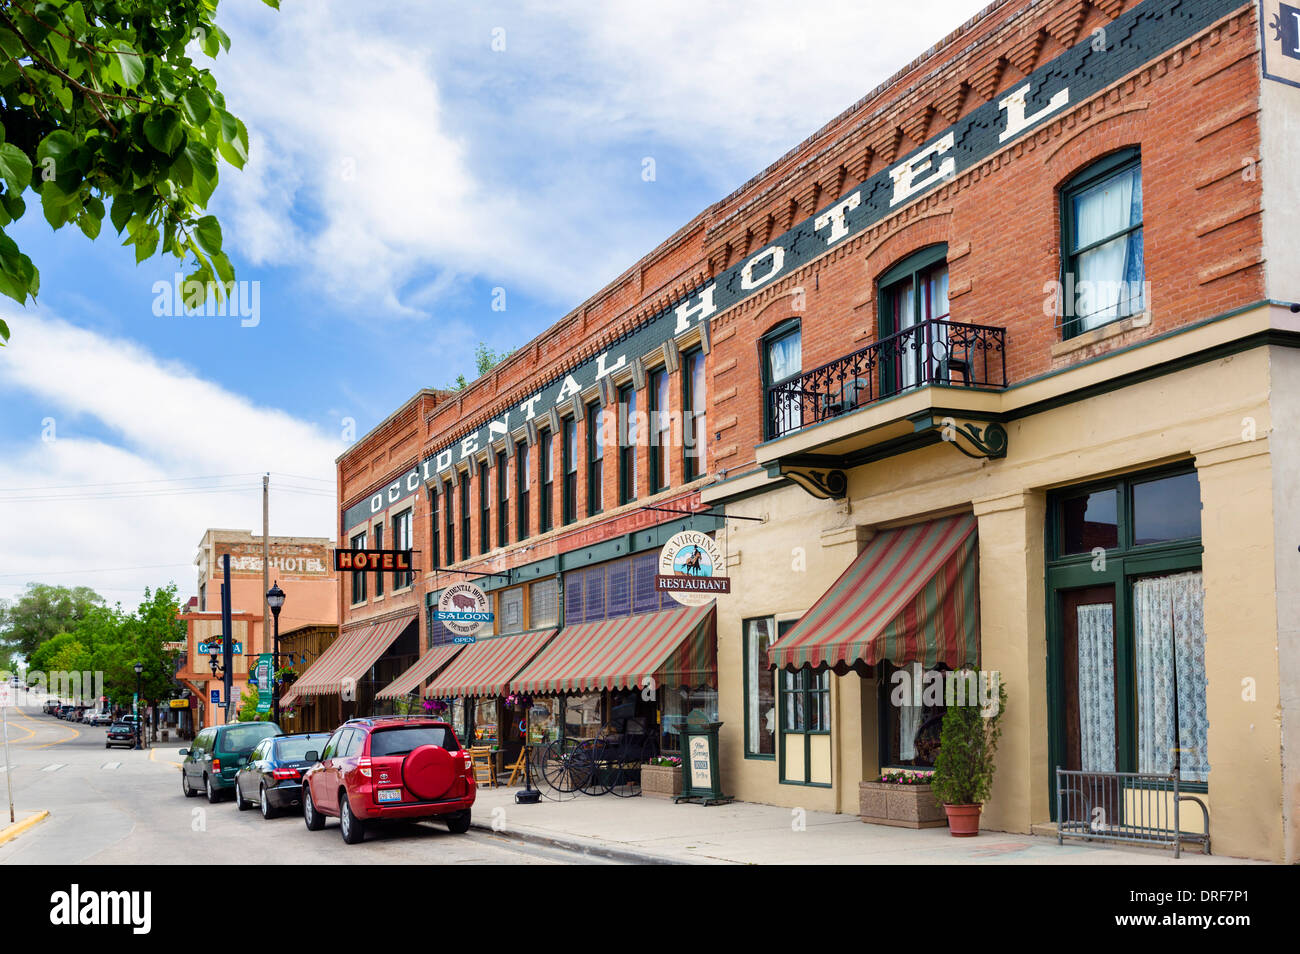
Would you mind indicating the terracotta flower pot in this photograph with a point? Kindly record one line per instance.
(963, 820)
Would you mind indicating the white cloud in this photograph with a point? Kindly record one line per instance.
(132, 425)
(369, 175)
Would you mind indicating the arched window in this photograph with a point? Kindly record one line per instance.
(1102, 268)
(913, 310)
(781, 354)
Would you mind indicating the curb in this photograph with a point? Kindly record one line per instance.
(17, 828)
(594, 849)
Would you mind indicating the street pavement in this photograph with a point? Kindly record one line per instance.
(120, 806)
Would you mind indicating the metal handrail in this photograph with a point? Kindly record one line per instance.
(930, 352)
(1132, 807)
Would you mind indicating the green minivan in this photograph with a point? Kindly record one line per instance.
(217, 754)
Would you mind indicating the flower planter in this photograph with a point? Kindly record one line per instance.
(661, 781)
(903, 806)
(963, 820)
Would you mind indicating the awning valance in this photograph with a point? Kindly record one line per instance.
(433, 659)
(347, 658)
(673, 646)
(486, 667)
(912, 595)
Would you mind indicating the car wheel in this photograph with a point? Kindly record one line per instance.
(267, 810)
(313, 819)
(351, 827)
(185, 786)
(242, 805)
(213, 795)
(458, 823)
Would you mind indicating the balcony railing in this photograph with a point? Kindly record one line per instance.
(930, 352)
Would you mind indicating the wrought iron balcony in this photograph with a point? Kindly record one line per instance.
(931, 352)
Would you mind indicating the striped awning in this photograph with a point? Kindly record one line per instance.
(673, 646)
(911, 596)
(486, 667)
(347, 658)
(432, 660)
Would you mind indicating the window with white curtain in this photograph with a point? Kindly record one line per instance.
(782, 365)
(1169, 630)
(1103, 269)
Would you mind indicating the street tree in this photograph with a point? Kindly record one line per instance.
(105, 112)
(43, 611)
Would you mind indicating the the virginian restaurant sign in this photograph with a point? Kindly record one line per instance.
(1132, 39)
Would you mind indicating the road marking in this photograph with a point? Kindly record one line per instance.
(75, 734)
(54, 766)
(21, 728)
(16, 829)
(153, 752)
(111, 765)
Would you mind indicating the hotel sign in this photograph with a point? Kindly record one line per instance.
(464, 609)
(379, 560)
(1137, 36)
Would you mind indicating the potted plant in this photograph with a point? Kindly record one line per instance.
(661, 776)
(963, 769)
(903, 798)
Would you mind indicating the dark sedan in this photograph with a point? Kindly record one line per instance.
(120, 733)
(272, 779)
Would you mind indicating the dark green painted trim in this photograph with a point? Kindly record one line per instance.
(1075, 572)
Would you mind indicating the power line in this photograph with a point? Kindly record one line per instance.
(120, 483)
(105, 569)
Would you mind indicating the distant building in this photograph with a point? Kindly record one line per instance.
(303, 568)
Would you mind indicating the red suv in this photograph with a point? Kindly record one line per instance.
(389, 768)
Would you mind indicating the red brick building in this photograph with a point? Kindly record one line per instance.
(1026, 305)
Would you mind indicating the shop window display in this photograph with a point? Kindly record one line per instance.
(678, 703)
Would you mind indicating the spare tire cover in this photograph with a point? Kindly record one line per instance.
(428, 772)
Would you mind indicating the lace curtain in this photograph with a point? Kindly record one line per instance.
(909, 713)
(1096, 629)
(1169, 624)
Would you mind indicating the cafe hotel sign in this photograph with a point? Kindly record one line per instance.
(377, 560)
(692, 569)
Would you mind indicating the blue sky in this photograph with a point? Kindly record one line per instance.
(406, 159)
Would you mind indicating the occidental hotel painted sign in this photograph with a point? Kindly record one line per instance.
(1135, 37)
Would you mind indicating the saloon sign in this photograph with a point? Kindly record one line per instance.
(464, 609)
(692, 569)
(1098, 60)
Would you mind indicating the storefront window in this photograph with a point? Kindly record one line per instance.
(1126, 640)
(510, 611)
(1090, 521)
(549, 723)
(760, 689)
(678, 703)
(485, 721)
(912, 707)
(806, 700)
(543, 600)
(456, 716)
(582, 716)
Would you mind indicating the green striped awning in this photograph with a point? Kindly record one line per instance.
(672, 646)
(486, 666)
(912, 595)
(434, 658)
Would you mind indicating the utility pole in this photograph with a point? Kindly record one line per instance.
(266, 556)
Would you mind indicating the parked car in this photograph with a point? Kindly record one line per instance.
(120, 733)
(272, 779)
(51, 706)
(100, 718)
(389, 768)
(218, 753)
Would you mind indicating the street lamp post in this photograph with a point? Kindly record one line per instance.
(275, 600)
(139, 668)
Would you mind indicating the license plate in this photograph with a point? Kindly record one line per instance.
(390, 794)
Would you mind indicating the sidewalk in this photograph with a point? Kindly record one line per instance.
(655, 831)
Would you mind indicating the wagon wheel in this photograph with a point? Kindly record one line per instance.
(627, 779)
(556, 768)
(594, 758)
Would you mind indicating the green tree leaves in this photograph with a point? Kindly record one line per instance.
(103, 107)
